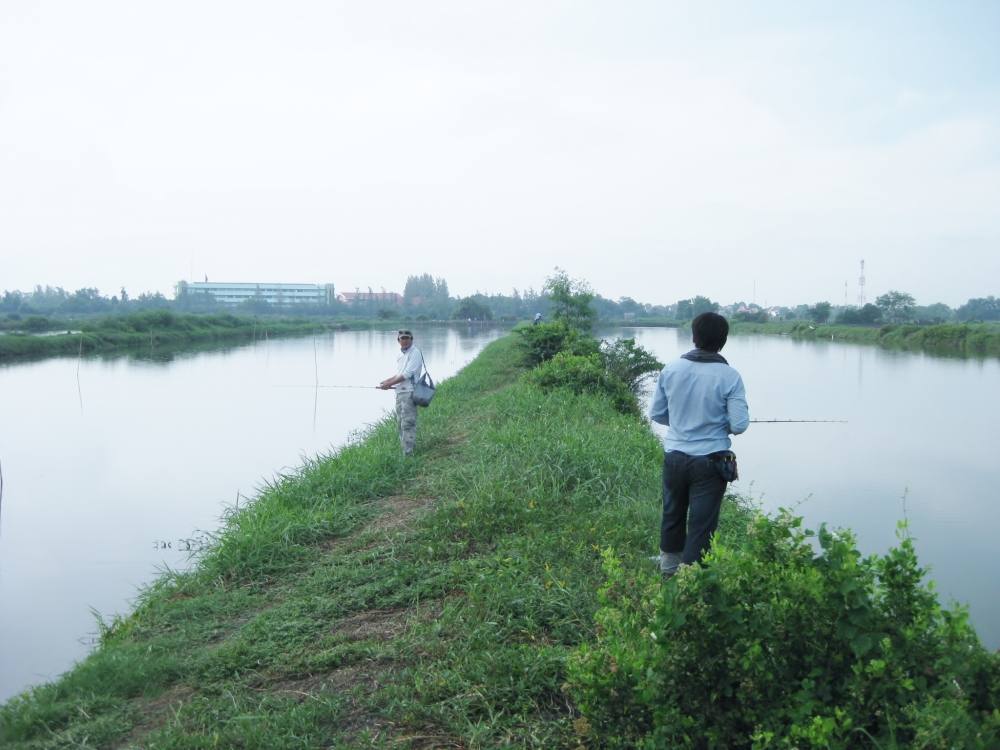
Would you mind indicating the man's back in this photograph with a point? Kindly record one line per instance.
(702, 403)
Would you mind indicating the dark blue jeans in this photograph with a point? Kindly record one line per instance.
(692, 497)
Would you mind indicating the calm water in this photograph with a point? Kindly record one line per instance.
(918, 444)
(99, 496)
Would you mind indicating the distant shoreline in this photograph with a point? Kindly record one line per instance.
(165, 331)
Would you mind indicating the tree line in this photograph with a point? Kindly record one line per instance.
(428, 298)
(901, 307)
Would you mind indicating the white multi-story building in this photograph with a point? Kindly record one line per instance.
(279, 295)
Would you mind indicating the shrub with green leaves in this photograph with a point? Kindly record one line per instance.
(584, 374)
(36, 323)
(542, 342)
(571, 301)
(772, 644)
(629, 362)
(565, 358)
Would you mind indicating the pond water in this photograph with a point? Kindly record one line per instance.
(112, 466)
(918, 445)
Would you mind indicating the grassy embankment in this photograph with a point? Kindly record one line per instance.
(443, 601)
(153, 328)
(949, 339)
(371, 599)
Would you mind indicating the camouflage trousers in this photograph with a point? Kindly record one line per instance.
(406, 418)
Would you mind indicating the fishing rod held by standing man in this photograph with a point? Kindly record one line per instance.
(786, 421)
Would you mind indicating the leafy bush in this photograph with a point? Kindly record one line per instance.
(37, 323)
(772, 645)
(629, 362)
(584, 374)
(542, 342)
(149, 320)
(567, 358)
(571, 301)
(984, 340)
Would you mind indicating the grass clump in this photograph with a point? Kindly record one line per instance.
(584, 374)
(541, 342)
(562, 357)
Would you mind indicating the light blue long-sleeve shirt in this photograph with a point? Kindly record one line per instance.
(702, 403)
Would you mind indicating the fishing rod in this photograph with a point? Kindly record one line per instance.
(786, 421)
(366, 387)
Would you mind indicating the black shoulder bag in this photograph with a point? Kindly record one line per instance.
(423, 389)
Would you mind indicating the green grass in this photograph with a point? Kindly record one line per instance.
(367, 600)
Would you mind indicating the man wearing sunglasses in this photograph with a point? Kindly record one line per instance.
(408, 366)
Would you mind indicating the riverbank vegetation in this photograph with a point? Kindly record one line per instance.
(494, 591)
(147, 329)
(893, 319)
(948, 339)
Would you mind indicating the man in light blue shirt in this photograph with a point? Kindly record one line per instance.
(702, 401)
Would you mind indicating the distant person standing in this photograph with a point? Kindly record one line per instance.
(408, 367)
(538, 319)
(702, 401)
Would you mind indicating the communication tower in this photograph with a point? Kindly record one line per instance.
(861, 285)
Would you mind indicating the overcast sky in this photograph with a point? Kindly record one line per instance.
(656, 149)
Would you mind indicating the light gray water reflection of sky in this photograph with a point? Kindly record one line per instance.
(919, 427)
(93, 495)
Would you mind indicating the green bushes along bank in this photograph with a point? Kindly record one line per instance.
(949, 339)
(151, 328)
(494, 591)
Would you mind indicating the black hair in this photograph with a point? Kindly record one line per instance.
(710, 331)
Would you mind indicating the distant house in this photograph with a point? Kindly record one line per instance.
(279, 295)
(377, 298)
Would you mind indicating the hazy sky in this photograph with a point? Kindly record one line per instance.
(657, 149)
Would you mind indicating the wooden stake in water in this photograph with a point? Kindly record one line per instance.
(79, 390)
(316, 393)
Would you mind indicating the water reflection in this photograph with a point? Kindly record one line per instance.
(96, 501)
